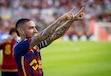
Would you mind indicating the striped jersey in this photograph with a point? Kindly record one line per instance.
(29, 60)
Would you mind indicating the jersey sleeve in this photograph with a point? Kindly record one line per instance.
(22, 47)
(42, 44)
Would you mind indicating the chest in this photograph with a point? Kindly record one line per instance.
(33, 58)
(33, 53)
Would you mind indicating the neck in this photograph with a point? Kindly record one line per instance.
(23, 37)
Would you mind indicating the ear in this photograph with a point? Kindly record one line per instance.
(21, 31)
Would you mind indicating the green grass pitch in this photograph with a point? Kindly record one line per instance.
(77, 59)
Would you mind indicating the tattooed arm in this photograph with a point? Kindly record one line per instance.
(46, 33)
(59, 31)
(50, 29)
(62, 29)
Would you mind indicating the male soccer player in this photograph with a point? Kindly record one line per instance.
(27, 51)
(9, 66)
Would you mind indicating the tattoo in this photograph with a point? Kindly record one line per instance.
(52, 28)
(60, 31)
(46, 33)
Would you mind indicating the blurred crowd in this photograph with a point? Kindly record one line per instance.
(44, 12)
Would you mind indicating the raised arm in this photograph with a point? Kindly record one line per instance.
(46, 33)
(62, 29)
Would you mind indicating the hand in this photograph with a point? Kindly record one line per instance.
(71, 16)
(79, 15)
(68, 16)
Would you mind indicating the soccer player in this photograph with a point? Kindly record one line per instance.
(27, 51)
(9, 66)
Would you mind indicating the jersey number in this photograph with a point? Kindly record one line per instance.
(7, 49)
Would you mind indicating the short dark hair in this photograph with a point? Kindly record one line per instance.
(12, 30)
(20, 23)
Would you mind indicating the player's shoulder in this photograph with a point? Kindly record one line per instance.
(21, 47)
(22, 43)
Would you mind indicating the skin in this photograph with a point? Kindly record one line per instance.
(53, 31)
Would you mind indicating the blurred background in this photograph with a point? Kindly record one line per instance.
(44, 12)
(96, 26)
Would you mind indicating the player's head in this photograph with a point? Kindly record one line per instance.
(13, 32)
(26, 28)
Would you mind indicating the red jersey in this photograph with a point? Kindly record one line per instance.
(9, 63)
